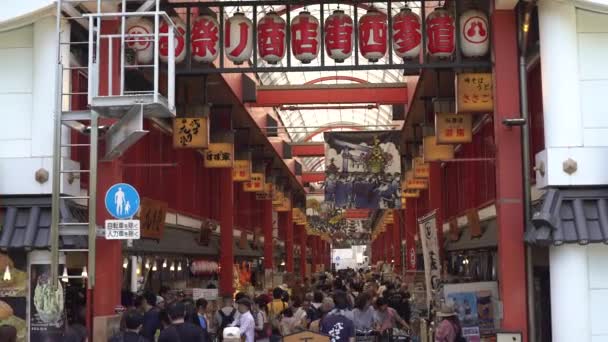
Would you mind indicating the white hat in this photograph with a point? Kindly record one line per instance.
(446, 311)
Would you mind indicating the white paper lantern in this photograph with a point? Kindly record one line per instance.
(271, 38)
(143, 46)
(474, 33)
(205, 39)
(179, 40)
(339, 36)
(305, 37)
(238, 38)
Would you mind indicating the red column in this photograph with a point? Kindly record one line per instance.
(315, 253)
(108, 254)
(436, 201)
(397, 240)
(288, 226)
(509, 196)
(411, 227)
(267, 227)
(303, 253)
(225, 195)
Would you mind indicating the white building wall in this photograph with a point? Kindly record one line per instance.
(28, 56)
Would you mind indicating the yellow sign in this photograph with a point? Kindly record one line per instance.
(266, 194)
(190, 133)
(241, 172)
(453, 128)
(474, 93)
(421, 169)
(256, 183)
(410, 193)
(434, 152)
(219, 155)
(277, 197)
(285, 206)
(414, 183)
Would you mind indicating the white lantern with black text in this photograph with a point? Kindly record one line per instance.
(179, 40)
(205, 39)
(474, 33)
(271, 38)
(339, 36)
(137, 41)
(305, 37)
(407, 34)
(238, 38)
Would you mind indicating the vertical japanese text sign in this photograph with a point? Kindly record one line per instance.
(453, 128)
(191, 132)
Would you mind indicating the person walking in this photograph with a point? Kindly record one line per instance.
(180, 330)
(151, 315)
(449, 329)
(225, 316)
(364, 313)
(133, 322)
(246, 322)
(338, 324)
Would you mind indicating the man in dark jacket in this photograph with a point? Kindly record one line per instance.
(179, 330)
(133, 322)
(151, 319)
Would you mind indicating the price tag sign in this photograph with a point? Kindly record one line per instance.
(122, 229)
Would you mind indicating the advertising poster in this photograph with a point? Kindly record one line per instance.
(363, 170)
(465, 305)
(485, 312)
(13, 290)
(47, 317)
(430, 251)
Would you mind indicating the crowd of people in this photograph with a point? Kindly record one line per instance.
(342, 305)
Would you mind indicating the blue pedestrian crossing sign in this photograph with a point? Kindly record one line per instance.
(122, 201)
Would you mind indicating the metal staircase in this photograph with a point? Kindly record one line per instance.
(124, 109)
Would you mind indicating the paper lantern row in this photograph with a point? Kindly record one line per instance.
(305, 37)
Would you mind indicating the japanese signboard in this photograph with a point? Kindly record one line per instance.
(219, 155)
(453, 128)
(122, 229)
(474, 93)
(266, 194)
(410, 193)
(190, 132)
(152, 216)
(285, 205)
(434, 152)
(421, 169)
(241, 171)
(277, 197)
(413, 183)
(430, 251)
(256, 183)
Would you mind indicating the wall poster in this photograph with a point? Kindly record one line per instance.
(47, 315)
(430, 251)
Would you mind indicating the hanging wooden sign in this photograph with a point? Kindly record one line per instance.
(266, 194)
(434, 152)
(152, 216)
(191, 132)
(243, 240)
(285, 206)
(256, 183)
(474, 93)
(277, 197)
(454, 230)
(241, 171)
(474, 224)
(410, 193)
(453, 128)
(219, 155)
(414, 183)
(420, 168)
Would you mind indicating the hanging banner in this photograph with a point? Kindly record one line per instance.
(219, 155)
(363, 170)
(434, 152)
(453, 128)
(411, 252)
(256, 183)
(152, 218)
(241, 171)
(430, 251)
(191, 133)
(474, 93)
(420, 168)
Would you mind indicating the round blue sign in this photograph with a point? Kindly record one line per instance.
(122, 201)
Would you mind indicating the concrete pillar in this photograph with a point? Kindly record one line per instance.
(569, 293)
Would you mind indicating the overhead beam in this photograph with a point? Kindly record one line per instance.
(380, 93)
(308, 150)
(311, 177)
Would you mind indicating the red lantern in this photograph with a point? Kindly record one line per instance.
(271, 38)
(238, 38)
(205, 39)
(372, 35)
(339, 36)
(142, 46)
(179, 39)
(305, 37)
(407, 35)
(440, 33)
(474, 33)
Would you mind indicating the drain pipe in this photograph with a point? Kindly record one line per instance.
(525, 7)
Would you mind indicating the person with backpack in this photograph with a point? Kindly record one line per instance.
(225, 316)
(449, 329)
(246, 322)
(133, 323)
(180, 330)
(275, 309)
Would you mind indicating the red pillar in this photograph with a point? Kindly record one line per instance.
(303, 253)
(267, 227)
(397, 240)
(108, 254)
(509, 189)
(287, 220)
(436, 201)
(411, 228)
(315, 253)
(224, 176)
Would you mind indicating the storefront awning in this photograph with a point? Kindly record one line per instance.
(176, 241)
(571, 216)
(27, 224)
(246, 252)
(487, 240)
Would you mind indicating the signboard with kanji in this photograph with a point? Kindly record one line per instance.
(285, 206)
(453, 128)
(219, 155)
(122, 229)
(152, 216)
(266, 194)
(277, 197)
(434, 152)
(191, 132)
(420, 168)
(410, 193)
(474, 93)
(413, 183)
(256, 183)
(241, 171)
